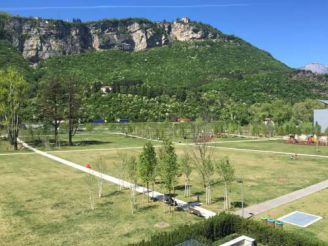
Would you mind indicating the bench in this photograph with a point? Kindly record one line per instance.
(195, 212)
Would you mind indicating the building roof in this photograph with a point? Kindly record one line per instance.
(324, 101)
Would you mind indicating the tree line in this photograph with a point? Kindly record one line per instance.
(59, 100)
(64, 99)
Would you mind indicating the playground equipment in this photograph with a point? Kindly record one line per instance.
(306, 139)
(323, 140)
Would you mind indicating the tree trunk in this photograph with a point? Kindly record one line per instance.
(100, 187)
(153, 188)
(70, 132)
(56, 133)
(132, 199)
(186, 189)
(148, 190)
(226, 202)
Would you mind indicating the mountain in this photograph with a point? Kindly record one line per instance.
(316, 68)
(39, 39)
(141, 57)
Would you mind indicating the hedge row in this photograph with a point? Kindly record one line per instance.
(223, 225)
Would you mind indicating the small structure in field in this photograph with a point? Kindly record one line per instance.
(240, 241)
(320, 117)
(183, 120)
(122, 120)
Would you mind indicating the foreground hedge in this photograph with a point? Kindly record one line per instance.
(223, 225)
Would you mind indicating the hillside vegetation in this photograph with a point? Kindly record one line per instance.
(9, 56)
(238, 70)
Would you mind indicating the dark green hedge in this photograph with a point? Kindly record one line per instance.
(223, 225)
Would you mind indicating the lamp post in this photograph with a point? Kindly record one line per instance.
(241, 182)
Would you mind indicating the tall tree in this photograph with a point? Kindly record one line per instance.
(73, 100)
(147, 164)
(227, 174)
(132, 171)
(202, 159)
(186, 170)
(51, 101)
(13, 96)
(168, 165)
(100, 166)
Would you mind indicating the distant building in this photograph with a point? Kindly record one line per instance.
(122, 120)
(185, 20)
(320, 117)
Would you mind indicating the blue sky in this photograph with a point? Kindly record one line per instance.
(293, 31)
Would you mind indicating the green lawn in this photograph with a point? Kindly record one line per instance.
(5, 146)
(266, 176)
(317, 204)
(45, 203)
(41, 199)
(278, 145)
(97, 140)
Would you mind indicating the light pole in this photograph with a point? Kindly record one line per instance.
(241, 182)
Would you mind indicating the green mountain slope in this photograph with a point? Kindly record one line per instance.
(181, 64)
(237, 69)
(226, 64)
(9, 56)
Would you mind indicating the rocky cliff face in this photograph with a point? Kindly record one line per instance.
(39, 39)
(316, 68)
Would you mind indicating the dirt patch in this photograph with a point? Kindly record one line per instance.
(161, 225)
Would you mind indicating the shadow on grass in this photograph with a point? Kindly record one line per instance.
(198, 193)
(238, 204)
(218, 199)
(39, 143)
(105, 204)
(180, 187)
(147, 207)
(113, 193)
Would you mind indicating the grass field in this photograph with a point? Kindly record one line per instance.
(317, 204)
(45, 203)
(91, 141)
(266, 176)
(277, 145)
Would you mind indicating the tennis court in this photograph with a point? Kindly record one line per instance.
(300, 219)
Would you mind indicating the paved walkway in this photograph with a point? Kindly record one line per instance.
(268, 151)
(246, 140)
(154, 194)
(290, 197)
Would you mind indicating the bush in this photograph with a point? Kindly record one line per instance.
(223, 225)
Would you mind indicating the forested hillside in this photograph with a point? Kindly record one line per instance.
(239, 71)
